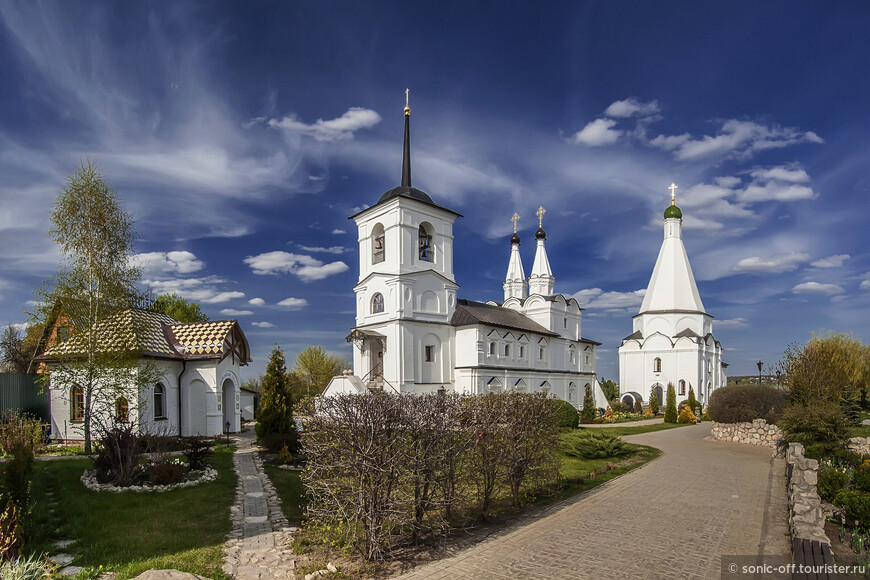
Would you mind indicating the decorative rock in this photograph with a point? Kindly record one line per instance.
(89, 480)
(757, 432)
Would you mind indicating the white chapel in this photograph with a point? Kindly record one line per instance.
(673, 338)
(414, 335)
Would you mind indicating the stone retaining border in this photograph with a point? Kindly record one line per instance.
(806, 521)
(758, 432)
(859, 445)
(89, 480)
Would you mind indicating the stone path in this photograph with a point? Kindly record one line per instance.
(258, 546)
(673, 518)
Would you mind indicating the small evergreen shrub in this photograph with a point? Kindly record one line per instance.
(617, 406)
(744, 403)
(687, 416)
(671, 408)
(567, 415)
(284, 456)
(638, 408)
(16, 477)
(589, 411)
(823, 424)
(693, 402)
(831, 481)
(851, 406)
(856, 506)
(197, 452)
(274, 442)
(846, 458)
(653, 403)
(165, 474)
(593, 444)
(861, 476)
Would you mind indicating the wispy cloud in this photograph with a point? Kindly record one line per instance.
(831, 261)
(337, 232)
(203, 290)
(731, 323)
(597, 133)
(234, 312)
(257, 302)
(329, 250)
(181, 262)
(773, 264)
(343, 127)
(599, 300)
(263, 324)
(817, 288)
(632, 107)
(293, 303)
(304, 267)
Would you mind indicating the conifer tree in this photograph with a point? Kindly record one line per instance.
(693, 402)
(276, 403)
(671, 409)
(653, 402)
(589, 411)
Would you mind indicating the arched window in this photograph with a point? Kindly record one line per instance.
(426, 250)
(682, 387)
(377, 303)
(572, 392)
(657, 365)
(492, 348)
(122, 410)
(507, 350)
(159, 401)
(379, 248)
(572, 354)
(77, 404)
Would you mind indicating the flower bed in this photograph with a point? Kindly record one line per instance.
(89, 480)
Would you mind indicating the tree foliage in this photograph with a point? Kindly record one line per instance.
(610, 388)
(671, 408)
(176, 307)
(829, 367)
(315, 367)
(94, 282)
(276, 402)
(589, 411)
(653, 402)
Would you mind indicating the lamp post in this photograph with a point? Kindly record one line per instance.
(779, 380)
(760, 364)
(228, 432)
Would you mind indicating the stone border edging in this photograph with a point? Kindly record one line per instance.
(757, 432)
(806, 521)
(89, 480)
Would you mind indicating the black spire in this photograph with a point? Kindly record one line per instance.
(406, 157)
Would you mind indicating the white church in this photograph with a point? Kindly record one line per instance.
(414, 335)
(673, 341)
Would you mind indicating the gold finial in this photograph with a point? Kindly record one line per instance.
(407, 108)
(673, 189)
(515, 219)
(540, 213)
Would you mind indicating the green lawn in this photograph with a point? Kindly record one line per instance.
(288, 485)
(638, 429)
(129, 533)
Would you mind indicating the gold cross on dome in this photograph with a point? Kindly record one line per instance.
(673, 189)
(407, 107)
(540, 213)
(515, 219)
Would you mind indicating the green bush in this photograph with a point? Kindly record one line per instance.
(693, 402)
(861, 478)
(744, 403)
(593, 444)
(671, 408)
(831, 481)
(589, 411)
(567, 415)
(856, 506)
(687, 416)
(653, 402)
(846, 458)
(165, 474)
(638, 408)
(21, 429)
(274, 442)
(16, 477)
(823, 424)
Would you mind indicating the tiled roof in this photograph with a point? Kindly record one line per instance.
(469, 312)
(155, 334)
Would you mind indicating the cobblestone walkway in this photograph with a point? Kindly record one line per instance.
(258, 546)
(673, 518)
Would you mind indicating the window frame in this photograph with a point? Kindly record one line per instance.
(377, 303)
(122, 410)
(77, 404)
(159, 410)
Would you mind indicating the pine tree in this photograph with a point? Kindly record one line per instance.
(693, 402)
(638, 408)
(276, 403)
(653, 402)
(671, 409)
(589, 411)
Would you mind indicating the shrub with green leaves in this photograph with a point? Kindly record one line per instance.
(276, 404)
(16, 477)
(653, 402)
(671, 408)
(589, 411)
(638, 408)
(744, 403)
(861, 477)
(831, 481)
(33, 567)
(21, 429)
(567, 415)
(856, 507)
(822, 424)
(593, 444)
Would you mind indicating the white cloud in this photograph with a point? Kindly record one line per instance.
(732, 323)
(772, 265)
(817, 288)
(776, 191)
(257, 302)
(341, 128)
(202, 290)
(223, 297)
(329, 250)
(740, 138)
(831, 261)
(597, 299)
(294, 303)
(865, 285)
(234, 312)
(167, 262)
(337, 232)
(781, 173)
(263, 324)
(631, 107)
(598, 132)
(305, 267)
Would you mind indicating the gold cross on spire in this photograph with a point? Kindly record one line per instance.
(540, 213)
(673, 189)
(515, 219)
(407, 107)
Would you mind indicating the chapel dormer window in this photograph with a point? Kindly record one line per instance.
(657, 365)
(378, 244)
(377, 303)
(426, 250)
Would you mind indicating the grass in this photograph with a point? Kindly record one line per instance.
(579, 475)
(639, 429)
(288, 485)
(130, 533)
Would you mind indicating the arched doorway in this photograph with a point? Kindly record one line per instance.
(658, 389)
(197, 408)
(228, 389)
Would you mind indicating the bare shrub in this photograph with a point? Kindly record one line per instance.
(118, 459)
(21, 429)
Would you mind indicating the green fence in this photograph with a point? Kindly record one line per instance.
(20, 392)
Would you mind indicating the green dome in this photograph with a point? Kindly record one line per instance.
(673, 212)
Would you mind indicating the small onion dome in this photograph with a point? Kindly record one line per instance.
(673, 211)
(515, 239)
(540, 234)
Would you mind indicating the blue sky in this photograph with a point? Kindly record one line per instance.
(242, 135)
